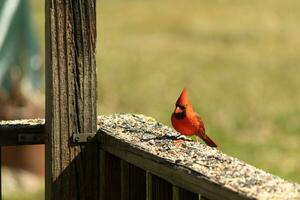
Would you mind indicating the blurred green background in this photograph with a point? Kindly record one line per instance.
(238, 59)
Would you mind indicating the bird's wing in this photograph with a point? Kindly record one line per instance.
(200, 124)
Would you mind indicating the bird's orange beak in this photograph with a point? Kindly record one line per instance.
(178, 110)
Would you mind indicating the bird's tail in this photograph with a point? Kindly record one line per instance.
(209, 141)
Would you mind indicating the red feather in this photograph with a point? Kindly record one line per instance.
(187, 122)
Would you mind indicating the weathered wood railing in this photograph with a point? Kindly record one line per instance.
(141, 159)
(132, 157)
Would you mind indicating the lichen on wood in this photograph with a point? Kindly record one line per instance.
(21, 122)
(148, 135)
(13, 132)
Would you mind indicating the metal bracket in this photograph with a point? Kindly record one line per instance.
(83, 137)
(31, 138)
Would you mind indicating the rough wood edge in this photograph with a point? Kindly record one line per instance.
(196, 167)
(176, 175)
(12, 131)
(71, 101)
(8, 127)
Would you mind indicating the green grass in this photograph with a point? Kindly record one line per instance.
(238, 59)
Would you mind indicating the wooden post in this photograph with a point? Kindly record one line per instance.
(71, 171)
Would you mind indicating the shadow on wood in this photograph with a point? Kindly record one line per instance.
(79, 180)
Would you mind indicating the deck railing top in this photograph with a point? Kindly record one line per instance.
(197, 162)
(18, 132)
(152, 146)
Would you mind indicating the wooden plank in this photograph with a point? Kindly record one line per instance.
(22, 132)
(203, 198)
(152, 146)
(175, 195)
(70, 99)
(125, 187)
(185, 194)
(133, 182)
(161, 189)
(246, 180)
(110, 176)
(148, 186)
(168, 171)
(182, 194)
(102, 173)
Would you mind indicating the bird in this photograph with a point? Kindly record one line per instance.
(187, 122)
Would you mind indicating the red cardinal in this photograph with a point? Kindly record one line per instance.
(186, 121)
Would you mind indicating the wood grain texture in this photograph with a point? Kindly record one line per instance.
(110, 176)
(175, 193)
(133, 182)
(185, 194)
(163, 169)
(135, 139)
(148, 186)
(182, 194)
(152, 146)
(70, 99)
(161, 189)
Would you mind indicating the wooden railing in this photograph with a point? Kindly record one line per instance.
(130, 157)
(142, 159)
